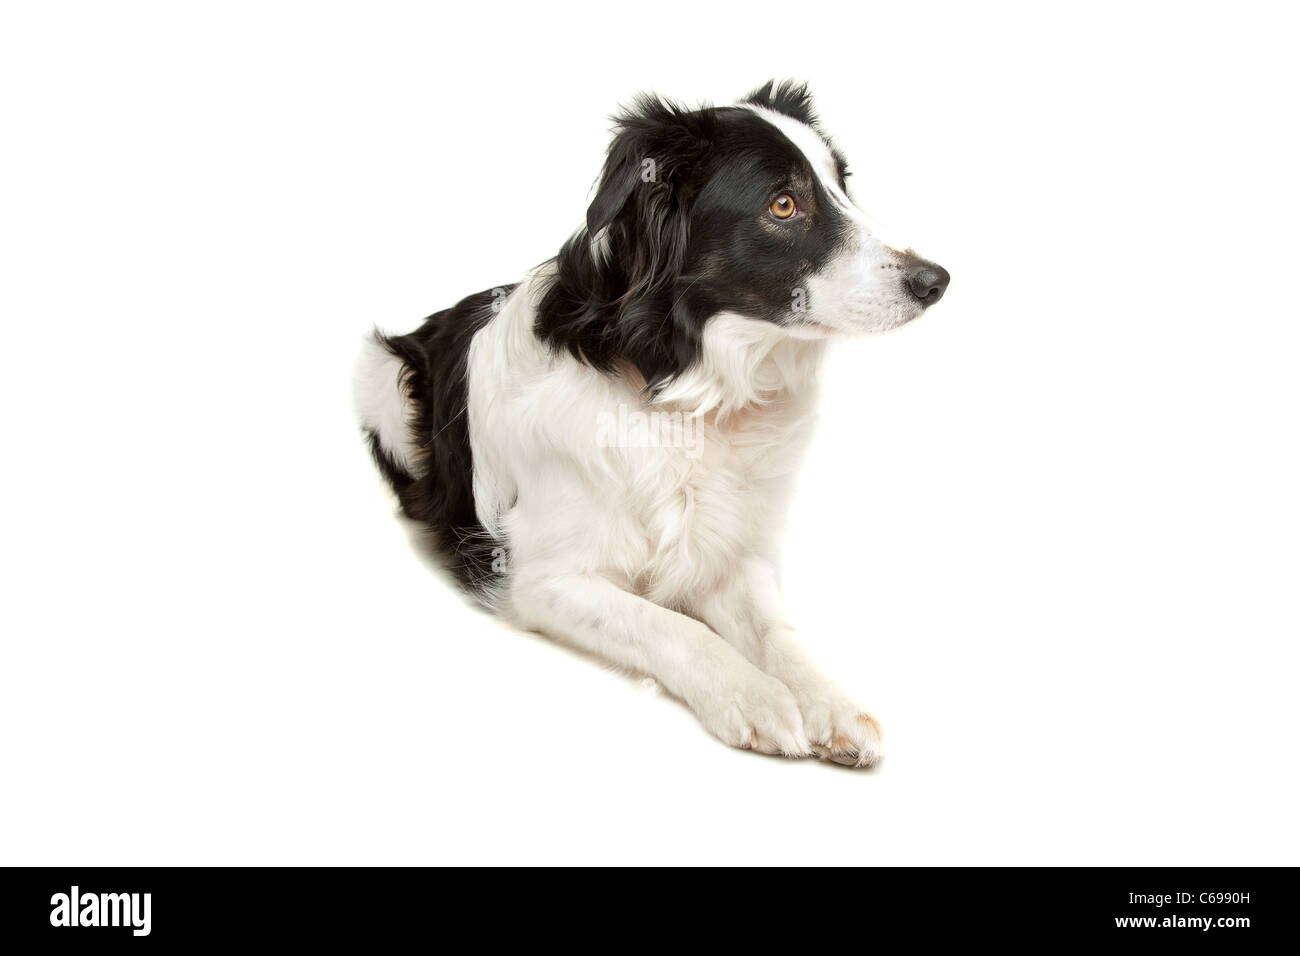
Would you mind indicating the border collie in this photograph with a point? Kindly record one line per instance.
(603, 451)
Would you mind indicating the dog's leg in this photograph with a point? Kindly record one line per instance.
(736, 701)
(746, 612)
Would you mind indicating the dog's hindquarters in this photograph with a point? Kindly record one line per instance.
(411, 397)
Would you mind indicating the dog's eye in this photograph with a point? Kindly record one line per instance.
(782, 206)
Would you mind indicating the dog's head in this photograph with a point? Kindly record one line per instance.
(742, 210)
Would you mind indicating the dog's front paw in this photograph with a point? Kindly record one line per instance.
(759, 713)
(839, 730)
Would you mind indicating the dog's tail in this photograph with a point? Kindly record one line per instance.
(383, 403)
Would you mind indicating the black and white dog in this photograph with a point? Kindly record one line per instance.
(604, 450)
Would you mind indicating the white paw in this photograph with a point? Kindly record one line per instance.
(758, 712)
(839, 729)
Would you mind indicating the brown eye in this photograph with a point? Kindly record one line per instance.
(782, 206)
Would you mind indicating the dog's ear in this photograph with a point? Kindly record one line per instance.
(647, 188)
(622, 174)
(790, 97)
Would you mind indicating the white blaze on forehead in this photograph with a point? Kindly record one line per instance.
(809, 142)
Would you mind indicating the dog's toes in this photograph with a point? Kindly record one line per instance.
(763, 716)
(852, 742)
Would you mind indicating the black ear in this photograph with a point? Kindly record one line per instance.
(621, 175)
(622, 298)
(787, 96)
(652, 172)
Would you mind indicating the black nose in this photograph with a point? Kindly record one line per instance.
(927, 281)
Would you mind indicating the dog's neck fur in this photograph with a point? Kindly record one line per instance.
(745, 365)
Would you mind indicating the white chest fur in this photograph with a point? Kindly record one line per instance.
(707, 503)
(575, 469)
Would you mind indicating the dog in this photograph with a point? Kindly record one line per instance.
(603, 451)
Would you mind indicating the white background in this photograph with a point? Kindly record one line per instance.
(1048, 534)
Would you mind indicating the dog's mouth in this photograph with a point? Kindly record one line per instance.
(810, 330)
